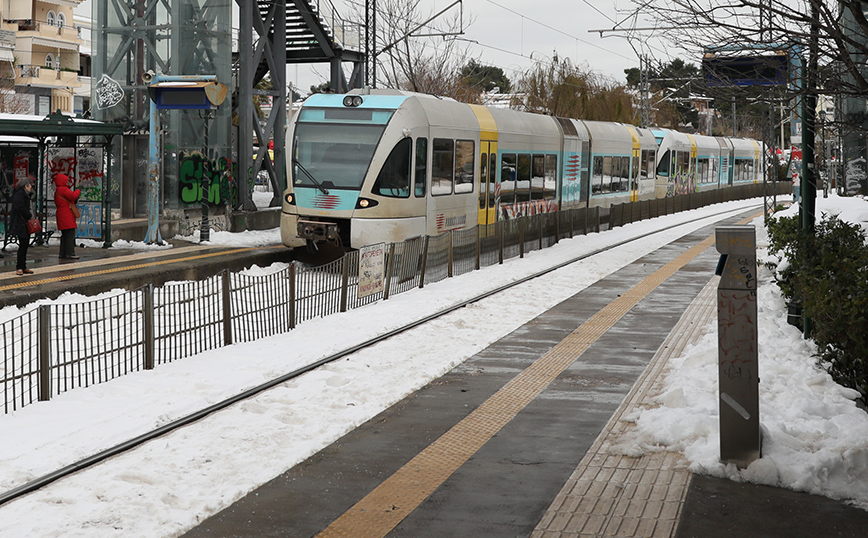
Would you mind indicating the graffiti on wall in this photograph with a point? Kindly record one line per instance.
(856, 175)
(193, 169)
(90, 172)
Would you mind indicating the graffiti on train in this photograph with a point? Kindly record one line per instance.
(683, 184)
(193, 167)
(526, 209)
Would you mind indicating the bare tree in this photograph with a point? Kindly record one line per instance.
(10, 102)
(421, 58)
(839, 30)
(560, 88)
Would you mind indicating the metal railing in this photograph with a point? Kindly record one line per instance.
(55, 348)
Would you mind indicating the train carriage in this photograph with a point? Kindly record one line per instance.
(529, 150)
(619, 163)
(746, 161)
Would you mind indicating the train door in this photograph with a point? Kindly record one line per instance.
(586, 172)
(634, 164)
(488, 191)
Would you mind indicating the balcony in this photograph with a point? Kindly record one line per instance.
(43, 31)
(45, 77)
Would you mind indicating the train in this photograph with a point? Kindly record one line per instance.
(382, 166)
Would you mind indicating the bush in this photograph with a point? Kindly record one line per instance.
(827, 276)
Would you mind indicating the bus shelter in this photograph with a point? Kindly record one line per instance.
(43, 147)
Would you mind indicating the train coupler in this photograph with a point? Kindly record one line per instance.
(318, 231)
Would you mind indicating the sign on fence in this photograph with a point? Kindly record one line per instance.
(372, 264)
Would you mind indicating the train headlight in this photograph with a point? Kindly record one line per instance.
(290, 199)
(352, 100)
(365, 203)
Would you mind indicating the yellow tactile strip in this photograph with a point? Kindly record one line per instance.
(27, 281)
(614, 495)
(390, 502)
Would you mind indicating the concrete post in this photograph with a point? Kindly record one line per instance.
(740, 438)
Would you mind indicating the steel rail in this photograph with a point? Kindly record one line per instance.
(90, 461)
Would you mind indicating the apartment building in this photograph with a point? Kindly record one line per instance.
(45, 58)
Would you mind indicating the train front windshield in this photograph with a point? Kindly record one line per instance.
(336, 155)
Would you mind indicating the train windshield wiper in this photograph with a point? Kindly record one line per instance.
(308, 174)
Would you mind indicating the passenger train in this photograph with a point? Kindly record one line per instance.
(376, 166)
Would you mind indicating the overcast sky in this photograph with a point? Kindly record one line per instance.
(506, 33)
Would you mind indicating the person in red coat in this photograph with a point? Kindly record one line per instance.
(63, 198)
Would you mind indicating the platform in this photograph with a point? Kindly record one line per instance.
(514, 442)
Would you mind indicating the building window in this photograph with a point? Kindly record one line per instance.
(49, 61)
(61, 19)
(49, 18)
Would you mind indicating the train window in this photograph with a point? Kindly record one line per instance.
(702, 170)
(597, 176)
(522, 183)
(663, 168)
(683, 166)
(483, 179)
(635, 170)
(608, 174)
(550, 183)
(492, 179)
(537, 178)
(715, 174)
(465, 159)
(421, 166)
(624, 177)
(442, 159)
(338, 156)
(394, 177)
(508, 166)
(646, 164)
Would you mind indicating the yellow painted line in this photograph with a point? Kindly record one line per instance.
(393, 500)
(26, 281)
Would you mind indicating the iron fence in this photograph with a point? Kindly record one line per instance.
(55, 348)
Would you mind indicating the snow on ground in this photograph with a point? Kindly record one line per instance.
(814, 435)
(170, 484)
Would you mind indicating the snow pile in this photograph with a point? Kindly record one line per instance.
(814, 435)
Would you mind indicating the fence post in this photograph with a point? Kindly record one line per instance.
(572, 226)
(345, 283)
(424, 262)
(292, 295)
(148, 324)
(478, 248)
(451, 253)
(44, 350)
(521, 236)
(540, 221)
(500, 233)
(558, 226)
(389, 265)
(227, 307)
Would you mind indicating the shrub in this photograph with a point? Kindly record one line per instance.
(827, 276)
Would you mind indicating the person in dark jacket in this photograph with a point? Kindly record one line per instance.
(18, 225)
(64, 197)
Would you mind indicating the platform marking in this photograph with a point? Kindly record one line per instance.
(27, 282)
(389, 503)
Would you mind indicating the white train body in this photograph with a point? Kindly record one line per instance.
(385, 166)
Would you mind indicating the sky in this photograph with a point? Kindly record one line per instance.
(814, 435)
(512, 34)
